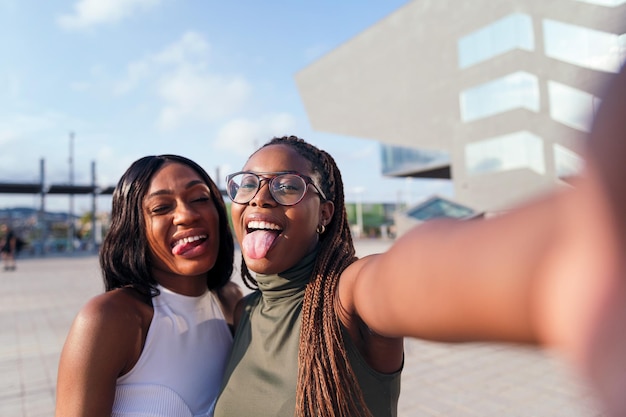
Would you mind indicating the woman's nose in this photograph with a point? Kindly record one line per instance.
(263, 197)
(184, 213)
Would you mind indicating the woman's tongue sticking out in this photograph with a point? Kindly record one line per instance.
(257, 243)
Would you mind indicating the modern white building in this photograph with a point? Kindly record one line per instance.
(496, 95)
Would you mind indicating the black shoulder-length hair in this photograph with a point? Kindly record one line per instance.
(125, 254)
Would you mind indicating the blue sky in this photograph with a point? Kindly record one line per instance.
(210, 80)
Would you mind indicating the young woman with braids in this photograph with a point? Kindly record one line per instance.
(322, 335)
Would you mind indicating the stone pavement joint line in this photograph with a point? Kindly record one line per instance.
(39, 300)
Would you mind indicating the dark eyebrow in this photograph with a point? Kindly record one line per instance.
(189, 185)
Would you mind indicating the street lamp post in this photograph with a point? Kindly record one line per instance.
(70, 229)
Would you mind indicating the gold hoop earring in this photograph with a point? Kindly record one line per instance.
(320, 229)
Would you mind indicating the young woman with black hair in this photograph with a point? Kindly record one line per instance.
(156, 342)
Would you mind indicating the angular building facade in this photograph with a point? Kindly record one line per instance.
(496, 95)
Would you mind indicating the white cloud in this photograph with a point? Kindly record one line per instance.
(41, 133)
(191, 47)
(97, 81)
(189, 91)
(18, 126)
(190, 51)
(88, 13)
(135, 73)
(112, 164)
(190, 94)
(243, 136)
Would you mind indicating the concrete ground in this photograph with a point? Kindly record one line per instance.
(39, 300)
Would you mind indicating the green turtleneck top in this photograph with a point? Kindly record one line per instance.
(260, 378)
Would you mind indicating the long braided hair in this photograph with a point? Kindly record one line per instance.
(327, 385)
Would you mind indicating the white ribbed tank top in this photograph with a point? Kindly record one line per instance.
(180, 368)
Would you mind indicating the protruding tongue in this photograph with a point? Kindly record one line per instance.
(184, 247)
(257, 243)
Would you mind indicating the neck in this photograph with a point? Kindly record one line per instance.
(290, 281)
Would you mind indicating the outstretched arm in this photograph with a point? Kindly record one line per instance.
(551, 272)
(461, 281)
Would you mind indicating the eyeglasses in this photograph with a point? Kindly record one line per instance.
(286, 188)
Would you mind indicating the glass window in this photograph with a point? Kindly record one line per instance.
(570, 106)
(567, 163)
(514, 31)
(502, 153)
(584, 47)
(397, 159)
(517, 90)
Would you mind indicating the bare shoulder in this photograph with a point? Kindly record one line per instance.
(117, 319)
(107, 335)
(117, 308)
(104, 342)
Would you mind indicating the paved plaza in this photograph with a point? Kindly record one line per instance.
(39, 301)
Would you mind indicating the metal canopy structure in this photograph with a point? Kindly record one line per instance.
(68, 189)
(71, 189)
(20, 188)
(36, 188)
(107, 191)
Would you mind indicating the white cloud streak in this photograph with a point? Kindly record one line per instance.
(190, 95)
(15, 127)
(90, 13)
(181, 78)
(242, 136)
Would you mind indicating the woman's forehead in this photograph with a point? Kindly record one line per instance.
(172, 175)
(277, 158)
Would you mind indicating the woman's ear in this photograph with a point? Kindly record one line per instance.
(327, 209)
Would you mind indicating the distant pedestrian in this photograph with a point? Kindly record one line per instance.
(8, 247)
